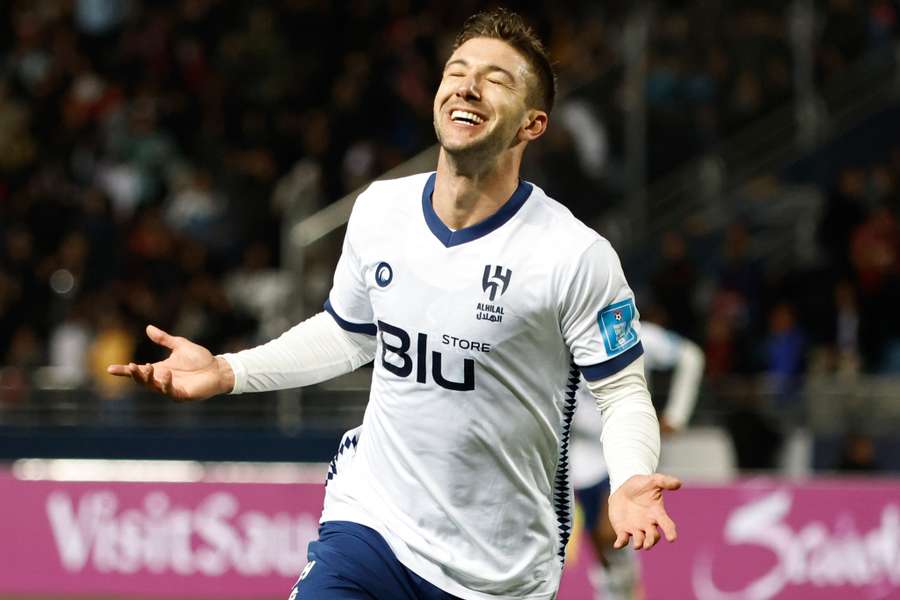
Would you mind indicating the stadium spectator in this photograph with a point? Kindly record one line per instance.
(858, 454)
(113, 341)
(845, 210)
(845, 340)
(786, 347)
(69, 347)
(674, 284)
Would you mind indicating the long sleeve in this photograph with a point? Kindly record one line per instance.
(312, 351)
(630, 427)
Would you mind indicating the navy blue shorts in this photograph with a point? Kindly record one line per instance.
(591, 500)
(353, 562)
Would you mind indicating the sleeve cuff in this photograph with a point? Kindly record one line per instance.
(613, 365)
(631, 470)
(240, 372)
(366, 328)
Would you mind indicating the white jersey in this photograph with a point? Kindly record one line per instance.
(461, 460)
(662, 351)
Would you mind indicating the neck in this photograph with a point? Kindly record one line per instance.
(463, 197)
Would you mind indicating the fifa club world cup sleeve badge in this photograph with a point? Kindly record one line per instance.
(617, 327)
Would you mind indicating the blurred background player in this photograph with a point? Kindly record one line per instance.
(664, 350)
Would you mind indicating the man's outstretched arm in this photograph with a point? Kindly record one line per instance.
(631, 449)
(313, 351)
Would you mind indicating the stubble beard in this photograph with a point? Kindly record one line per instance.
(478, 156)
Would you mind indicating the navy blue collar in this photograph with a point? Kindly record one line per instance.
(449, 237)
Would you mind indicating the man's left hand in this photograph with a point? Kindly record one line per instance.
(636, 511)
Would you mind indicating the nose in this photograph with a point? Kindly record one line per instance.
(469, 88)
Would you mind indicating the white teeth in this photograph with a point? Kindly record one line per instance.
(462, 115)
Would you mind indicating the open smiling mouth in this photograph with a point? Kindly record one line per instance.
(465, 118)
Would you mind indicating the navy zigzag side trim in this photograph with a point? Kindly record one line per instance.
(562, 492)
(346, 444)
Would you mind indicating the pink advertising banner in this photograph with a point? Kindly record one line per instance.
(154, 540)
(754, 540)
(765, 539)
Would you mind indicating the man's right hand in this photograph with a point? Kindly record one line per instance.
(190, 372)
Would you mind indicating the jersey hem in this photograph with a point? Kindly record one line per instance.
(419, 567)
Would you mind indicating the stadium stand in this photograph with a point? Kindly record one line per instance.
(145, 150)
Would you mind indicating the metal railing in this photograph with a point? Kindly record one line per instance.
(316, 228)
(826, 404)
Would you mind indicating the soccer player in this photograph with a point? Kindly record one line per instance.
(480, 300)
(663, 350)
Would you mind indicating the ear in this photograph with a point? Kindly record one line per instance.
(535, 125)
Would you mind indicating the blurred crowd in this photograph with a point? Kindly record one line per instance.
(141, 144)
(803, 331)
(832, 313)
(712, 68)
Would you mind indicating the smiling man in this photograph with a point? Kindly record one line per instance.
(480, 299)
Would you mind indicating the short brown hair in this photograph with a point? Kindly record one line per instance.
(503, 24)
